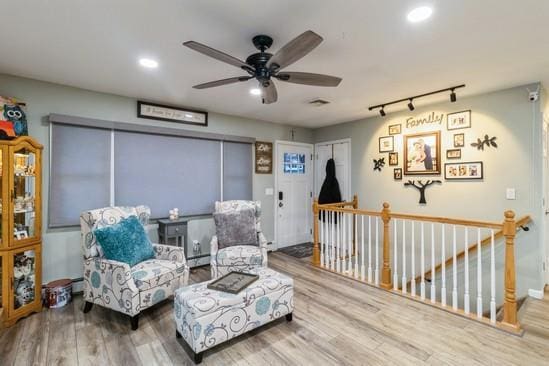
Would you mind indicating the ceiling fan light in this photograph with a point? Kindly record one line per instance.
(453, 96)
(411, 105)
(255, 91)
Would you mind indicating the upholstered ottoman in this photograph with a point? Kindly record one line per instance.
(206, 318)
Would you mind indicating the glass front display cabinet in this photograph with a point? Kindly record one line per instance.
(20, 228)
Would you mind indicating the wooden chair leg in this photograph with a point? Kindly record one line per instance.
(177, 334)
(87, 306)
(134, 320)
(289, 317)
(198, 357)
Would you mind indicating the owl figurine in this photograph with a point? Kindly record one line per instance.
(17, 117)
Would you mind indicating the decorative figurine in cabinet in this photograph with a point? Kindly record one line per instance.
(20, 228)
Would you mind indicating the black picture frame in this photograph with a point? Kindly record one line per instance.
(141, 104)
(392, 139)
(450, 151)
(395, 129)
(397, 174)
(449, 116)
(456, 172)
(462, 144)
(395, 161)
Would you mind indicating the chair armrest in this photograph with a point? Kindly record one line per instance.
(213, 246)
(262, 240)
(112, 274)
(169, 252)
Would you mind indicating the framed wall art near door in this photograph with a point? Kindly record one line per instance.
(168, 113)
(263, 157)
(422, 154)
(458, 120)
(468, 170)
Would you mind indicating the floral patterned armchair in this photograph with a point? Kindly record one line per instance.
(118, 286)
(241, 257)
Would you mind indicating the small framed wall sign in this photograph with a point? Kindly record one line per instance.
(168, 113)
(469, 170)
(453, 154)
(459, 140)
(395, 129)
(459, 120)
(386, 144)
(263, 157)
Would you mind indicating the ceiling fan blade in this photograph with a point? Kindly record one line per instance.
(295, 49)
(212, 84)
(269, 92)
(218, 55)
(307, 78)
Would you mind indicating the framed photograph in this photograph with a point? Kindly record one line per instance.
(469, 170)
(395, 129)
(459, 120)
(168, 113)
(397, 173)
(422, 153)
(393, 158)
(386, 144)
(263, 157)
(459, 140)
(453, 154)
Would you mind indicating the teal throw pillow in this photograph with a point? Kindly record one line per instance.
(125, 242)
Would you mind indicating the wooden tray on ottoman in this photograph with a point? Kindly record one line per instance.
(233, 282)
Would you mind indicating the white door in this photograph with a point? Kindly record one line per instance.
(340, 151)
(294, 193)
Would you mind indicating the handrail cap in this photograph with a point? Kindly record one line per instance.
(509, 214)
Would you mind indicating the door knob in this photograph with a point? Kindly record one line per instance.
(280, 204)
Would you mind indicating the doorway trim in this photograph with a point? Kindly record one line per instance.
(275, 193)
(349, 157)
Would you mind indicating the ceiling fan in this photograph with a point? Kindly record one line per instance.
(264, 66)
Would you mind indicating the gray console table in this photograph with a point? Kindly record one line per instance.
(174, 232)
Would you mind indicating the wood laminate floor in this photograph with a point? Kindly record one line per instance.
(336, 321)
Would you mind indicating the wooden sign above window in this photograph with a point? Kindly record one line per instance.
(171, 114)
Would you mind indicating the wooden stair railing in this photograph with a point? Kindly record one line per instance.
(329, 245)
(472, 248)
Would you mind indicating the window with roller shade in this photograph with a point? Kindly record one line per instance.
(158, 170)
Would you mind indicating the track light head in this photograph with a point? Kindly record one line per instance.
(411, 105)
(453, 96)
(382, 111)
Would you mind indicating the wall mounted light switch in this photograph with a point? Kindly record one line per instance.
(269, 191)
(511, 194)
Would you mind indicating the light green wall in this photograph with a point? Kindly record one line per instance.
(516, 163)
(61, 248)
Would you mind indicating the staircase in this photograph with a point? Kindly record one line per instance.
(447, 263)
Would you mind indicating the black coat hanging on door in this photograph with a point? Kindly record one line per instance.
(329, 192)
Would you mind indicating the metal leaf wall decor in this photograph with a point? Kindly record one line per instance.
(489, 142)
(379, 163)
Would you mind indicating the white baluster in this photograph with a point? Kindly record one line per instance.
(433, 267)
(356, 246)
(443, 272)
(350, 243)
(479, 275)
(363, 266)
(332, 263)
(454, 269)
(321, 236)
(376, 271)
(337, 216)
(404, 289)
(395, 254)
(492, 279)
(466, 300)
(344, 242)
(422, 283)
(413, 275)
(370, 249)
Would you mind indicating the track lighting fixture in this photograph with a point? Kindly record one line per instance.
(453, 96)
(411, 107)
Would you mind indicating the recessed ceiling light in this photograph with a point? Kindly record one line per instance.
(148, 63)
(420, 14)
(255, 91)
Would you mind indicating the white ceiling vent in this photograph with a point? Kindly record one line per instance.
(318, 102)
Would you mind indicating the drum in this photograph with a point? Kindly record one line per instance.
(58, 293)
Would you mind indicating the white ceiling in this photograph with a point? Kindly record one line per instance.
(488, 45)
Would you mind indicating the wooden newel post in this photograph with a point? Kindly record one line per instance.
(510, 301)
(316, 247)
(386, 280)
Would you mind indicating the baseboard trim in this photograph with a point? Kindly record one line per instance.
(536, 294)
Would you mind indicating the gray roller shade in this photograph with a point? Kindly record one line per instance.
(237, 171)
